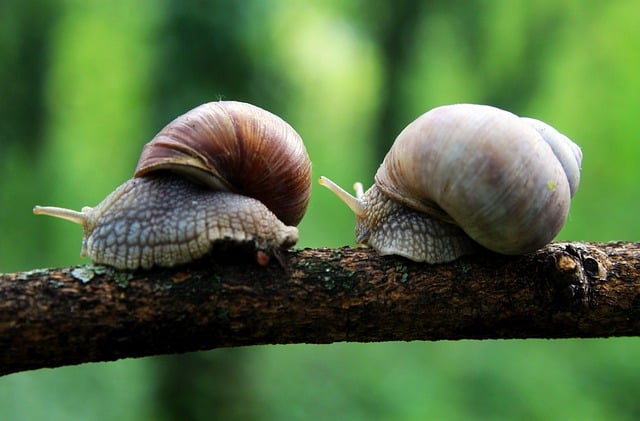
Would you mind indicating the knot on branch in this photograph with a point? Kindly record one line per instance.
(578, 268)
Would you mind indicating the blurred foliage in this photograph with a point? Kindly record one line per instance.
(83, 85)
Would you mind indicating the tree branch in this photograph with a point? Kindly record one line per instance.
(55, 317)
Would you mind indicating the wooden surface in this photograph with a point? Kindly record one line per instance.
(55, 317)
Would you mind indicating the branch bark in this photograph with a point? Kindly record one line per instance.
(56, 317)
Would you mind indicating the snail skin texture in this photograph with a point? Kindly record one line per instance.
(224, 173)
(464, 176)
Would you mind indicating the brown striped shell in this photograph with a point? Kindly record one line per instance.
(237, 147)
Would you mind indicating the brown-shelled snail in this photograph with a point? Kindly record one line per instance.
(462, 175)
(224, 172)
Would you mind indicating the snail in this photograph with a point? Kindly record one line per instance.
(223, 172)
(463, 176)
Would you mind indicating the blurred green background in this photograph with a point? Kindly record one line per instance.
(84, 84)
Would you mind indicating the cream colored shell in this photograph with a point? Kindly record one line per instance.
(484, 169)
(505, 181)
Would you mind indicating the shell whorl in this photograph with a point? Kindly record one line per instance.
(237, 147)
(487, 170)
(568, 153)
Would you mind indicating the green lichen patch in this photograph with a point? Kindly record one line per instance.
(56, 283)
(329, 275)
(86, 273)
(328, 282)
(99, 269)
(164, 285)
(336, 255)
(403, 270)
(465, 267)
(83, 273)
(314, 267)
(122, 279)
(36, 273)
(337, 276)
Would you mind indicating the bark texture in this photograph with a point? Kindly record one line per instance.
(55, 317)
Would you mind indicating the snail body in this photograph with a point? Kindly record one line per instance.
(464, 176)
(224, 172)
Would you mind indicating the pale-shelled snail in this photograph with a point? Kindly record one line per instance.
(465, 175)
(224, 172)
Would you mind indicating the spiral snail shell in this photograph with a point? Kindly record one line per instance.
(223, 172)
(465, 175)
